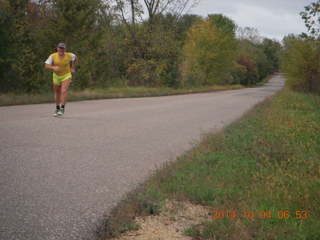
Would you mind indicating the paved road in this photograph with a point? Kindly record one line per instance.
(58, 177)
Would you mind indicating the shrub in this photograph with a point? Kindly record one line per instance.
(301, 64)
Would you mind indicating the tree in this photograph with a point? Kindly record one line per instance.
(210, 51)
(250, 34)
(151, 39)
(20, 70)
(271, 49)
(301, 63)
(247, 71)
(158, 62)
(311, 16)
(224, 24)
(184, 23)
(8, 55)
(175, 7)
(252, 63)
(154, 8)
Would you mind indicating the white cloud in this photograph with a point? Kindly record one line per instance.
(272, 18)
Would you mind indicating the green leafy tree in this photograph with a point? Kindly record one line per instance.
(111, 57)
(311, 16)
(246, 71)
(158, 64)
(224, 24)
(20, 70)
(8, 55)
(210, 51)
(153, 44)
(272, 50)
(184, 23)
(301, 63)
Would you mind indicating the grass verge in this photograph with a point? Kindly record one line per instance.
(91, 94)
(261, 176)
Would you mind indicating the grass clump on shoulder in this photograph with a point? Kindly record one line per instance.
(142, 201)
(260, 175)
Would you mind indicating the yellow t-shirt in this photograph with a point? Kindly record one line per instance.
(63, 63)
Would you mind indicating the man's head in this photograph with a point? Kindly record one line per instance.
(61, 48)
(62, 45)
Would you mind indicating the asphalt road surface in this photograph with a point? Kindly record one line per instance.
(60, 176)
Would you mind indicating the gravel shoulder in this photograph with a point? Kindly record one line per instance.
(171, 223)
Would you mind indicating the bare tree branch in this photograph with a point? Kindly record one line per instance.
(176, 7)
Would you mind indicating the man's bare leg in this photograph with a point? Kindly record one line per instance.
(64, 91)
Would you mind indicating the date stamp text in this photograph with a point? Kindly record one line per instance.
(283, 215)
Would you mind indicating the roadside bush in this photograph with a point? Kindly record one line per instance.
(142, 73)
(301, 63)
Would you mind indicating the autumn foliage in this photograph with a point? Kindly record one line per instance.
(119, 43)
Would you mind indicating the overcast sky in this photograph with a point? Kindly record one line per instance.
(273, 18)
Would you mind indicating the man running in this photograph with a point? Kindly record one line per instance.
(59, 62)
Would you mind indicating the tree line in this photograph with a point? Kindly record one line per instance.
(149, 43)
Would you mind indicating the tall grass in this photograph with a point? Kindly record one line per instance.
(264, 170)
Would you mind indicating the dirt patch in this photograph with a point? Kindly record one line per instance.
(170, 223)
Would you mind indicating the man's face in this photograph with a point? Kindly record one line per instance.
(61, 51)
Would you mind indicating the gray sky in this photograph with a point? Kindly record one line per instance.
(273, 18)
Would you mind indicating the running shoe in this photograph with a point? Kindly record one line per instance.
(61, 112)
(56, 113)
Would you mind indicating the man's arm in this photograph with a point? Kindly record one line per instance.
(74, 64)
(50, 67)
(48, 64)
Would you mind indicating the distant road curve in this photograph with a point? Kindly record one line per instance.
(58, 177)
